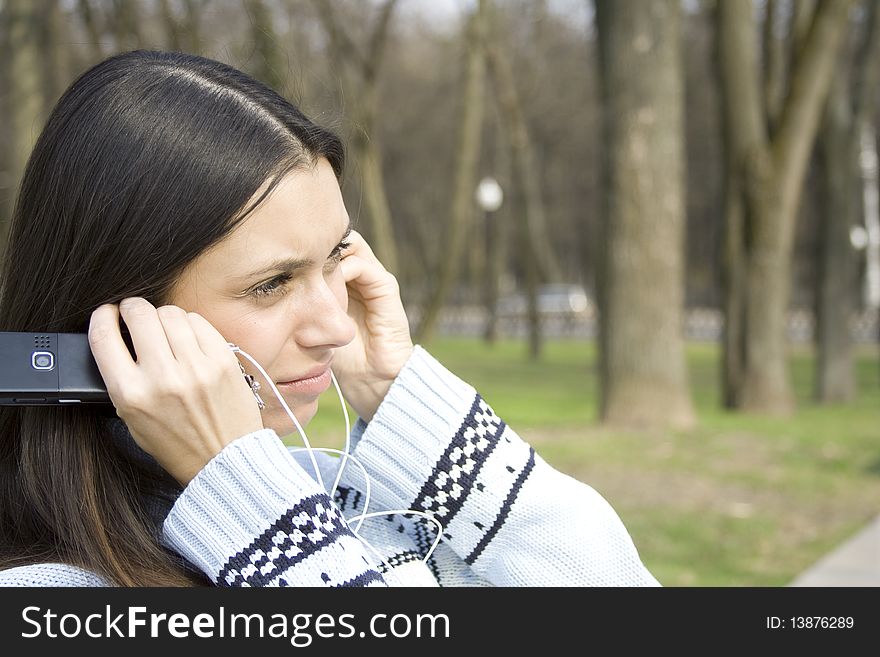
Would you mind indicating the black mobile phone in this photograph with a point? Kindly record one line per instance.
(49, 369)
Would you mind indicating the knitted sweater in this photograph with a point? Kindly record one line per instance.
(255, 516)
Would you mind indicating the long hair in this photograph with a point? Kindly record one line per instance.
(147, 160)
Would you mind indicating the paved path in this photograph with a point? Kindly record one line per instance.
(855, 563)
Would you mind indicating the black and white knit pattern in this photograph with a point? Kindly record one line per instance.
(398, 559)
(504, 511)
(309, 527)
(471, 462)
(455, 473)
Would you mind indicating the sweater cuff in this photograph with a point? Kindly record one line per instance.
(412, 428)
(237, 496)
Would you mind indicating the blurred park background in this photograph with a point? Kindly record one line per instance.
(646, 230)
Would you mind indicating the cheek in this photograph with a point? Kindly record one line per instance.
(259, 334)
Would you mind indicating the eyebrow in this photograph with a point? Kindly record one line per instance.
(290, 265)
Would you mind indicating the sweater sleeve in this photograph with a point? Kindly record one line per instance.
(50, 574)
(435, 445)
(253, 517)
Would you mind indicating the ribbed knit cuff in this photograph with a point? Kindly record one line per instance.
(234, 498)
(412, 427)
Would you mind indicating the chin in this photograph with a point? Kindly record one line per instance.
(281, 422)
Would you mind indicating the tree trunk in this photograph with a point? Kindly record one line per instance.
(525, 173)
(644, 377)
(851, 103)
(468, 153)
(172, 26)
(774, 65)
(55, 57)
(6, 189)
(268, 65)
(359, 73)
(539, 261)
(836, 296)
(765, 380)
(127, 25)
(734, 268)
(25, 104)
(767, 175)
(367, 153)
(496, 240)
(494, 270)
(193, 29)
(871, 203)
(90, 23)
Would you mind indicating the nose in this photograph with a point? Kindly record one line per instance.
(326, 323)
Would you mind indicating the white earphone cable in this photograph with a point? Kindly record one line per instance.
(284, 405)
(345, 453)
(366, 479)
(345, 456)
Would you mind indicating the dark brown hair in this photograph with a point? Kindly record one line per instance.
(147, 160)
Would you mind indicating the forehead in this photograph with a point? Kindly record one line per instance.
(303, 217)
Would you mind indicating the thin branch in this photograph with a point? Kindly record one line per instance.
(171, 24)
(343, 46)
(866, 78)
(87, 14)
(740, 84)
(378, 39)
(810, 76)
(774, 67)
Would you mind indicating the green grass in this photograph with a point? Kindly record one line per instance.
(741, 500)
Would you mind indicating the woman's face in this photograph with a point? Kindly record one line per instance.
(274, 287)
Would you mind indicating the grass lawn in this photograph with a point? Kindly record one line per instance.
(739, 501)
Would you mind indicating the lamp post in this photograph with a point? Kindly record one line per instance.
(490, 196)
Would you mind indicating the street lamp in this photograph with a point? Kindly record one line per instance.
(489, 194)
(489, 197)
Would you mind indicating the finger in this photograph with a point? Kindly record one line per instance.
(180, 335)
(360, 247)
(210, 340)
(147, 333)
(111, 354)
(367, 279)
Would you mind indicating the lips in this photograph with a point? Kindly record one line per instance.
(311, 374)
(311, 385)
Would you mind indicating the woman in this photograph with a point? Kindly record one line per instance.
(210, 208)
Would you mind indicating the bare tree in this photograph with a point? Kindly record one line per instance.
(466, 160)
(359, 70)
(764, 177)
(643, 375)
(193, 23)
(127, 27)
(55, 57)
(25, 91)
(183, 33)
(851, 102)
(172, 25)
(540, 262)
(89, 18)
(496, 240)
(268, 62)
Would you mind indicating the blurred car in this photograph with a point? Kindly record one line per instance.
(560, 300)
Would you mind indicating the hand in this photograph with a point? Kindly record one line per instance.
(185, 398)
(368, 365)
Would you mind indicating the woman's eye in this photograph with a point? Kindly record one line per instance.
(274, 287)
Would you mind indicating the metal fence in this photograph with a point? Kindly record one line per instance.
(700, 324)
